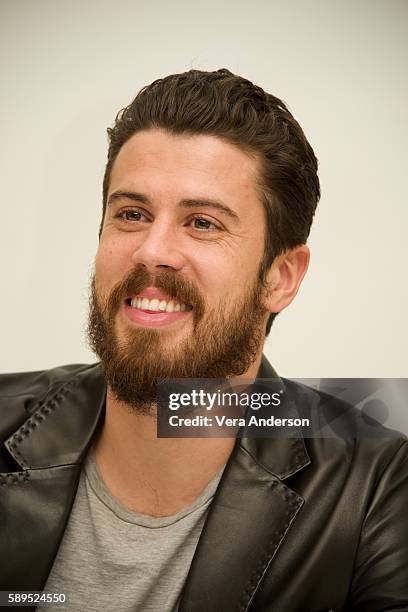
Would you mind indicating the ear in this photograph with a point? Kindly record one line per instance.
(284, 277)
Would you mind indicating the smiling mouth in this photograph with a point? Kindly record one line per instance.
(157, 305)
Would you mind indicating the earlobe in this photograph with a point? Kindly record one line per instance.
(284, 277)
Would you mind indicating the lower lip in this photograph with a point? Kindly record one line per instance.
(147, 318)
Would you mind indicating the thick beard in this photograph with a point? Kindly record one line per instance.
(224, 343)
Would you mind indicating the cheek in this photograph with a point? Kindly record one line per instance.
(217, 276)
(110, 264)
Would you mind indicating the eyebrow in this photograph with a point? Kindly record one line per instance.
(185, 203)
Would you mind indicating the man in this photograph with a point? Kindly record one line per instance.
(209, 194)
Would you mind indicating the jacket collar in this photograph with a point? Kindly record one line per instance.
(280, 456)
(63, 424)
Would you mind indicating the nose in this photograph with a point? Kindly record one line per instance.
(159, 247)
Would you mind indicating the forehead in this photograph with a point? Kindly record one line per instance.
(183, 166)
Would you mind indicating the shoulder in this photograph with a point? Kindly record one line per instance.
(37, 383)
(340, 428)
(21, 392)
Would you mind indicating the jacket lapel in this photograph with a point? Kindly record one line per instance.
(251, 514)
(36, 500)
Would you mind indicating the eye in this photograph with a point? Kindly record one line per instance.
(203, 224)
(130, 215)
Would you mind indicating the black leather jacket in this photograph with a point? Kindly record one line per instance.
(296, 524)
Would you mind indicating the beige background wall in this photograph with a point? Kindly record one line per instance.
(67, 67)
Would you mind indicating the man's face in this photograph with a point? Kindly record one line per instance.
(176, 290)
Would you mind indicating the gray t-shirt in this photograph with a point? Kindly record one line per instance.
(112, 558)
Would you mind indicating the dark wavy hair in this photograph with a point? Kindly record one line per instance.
(223, 104)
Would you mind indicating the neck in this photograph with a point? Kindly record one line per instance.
(156, 476)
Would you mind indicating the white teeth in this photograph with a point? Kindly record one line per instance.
(156, 305)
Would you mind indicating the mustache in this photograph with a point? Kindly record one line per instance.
(170, 282)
